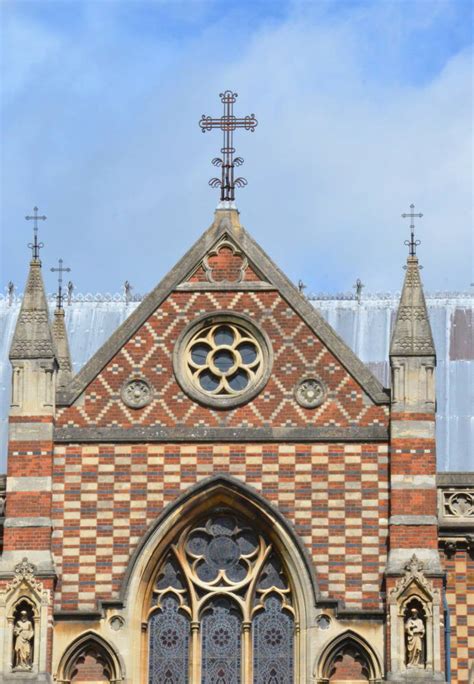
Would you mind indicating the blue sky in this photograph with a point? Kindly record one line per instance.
(363, 108)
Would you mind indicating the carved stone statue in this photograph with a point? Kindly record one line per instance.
(415, 632)
(24, 633)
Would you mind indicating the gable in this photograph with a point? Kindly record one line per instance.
(296, 353)
(221, 274)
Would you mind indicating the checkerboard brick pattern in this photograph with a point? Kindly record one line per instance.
(297, 353)
(460, 596)
(106, 496)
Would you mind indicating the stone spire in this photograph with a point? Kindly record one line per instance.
(59, 330)
(412, 332)
(32, 338)
(62, 347)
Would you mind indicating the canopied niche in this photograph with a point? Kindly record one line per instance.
(224, 593)
(414, 622)
(24, 617)
(90, 659)
(348, 658)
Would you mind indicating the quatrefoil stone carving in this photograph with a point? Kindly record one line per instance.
(136, 393)
(310, 392)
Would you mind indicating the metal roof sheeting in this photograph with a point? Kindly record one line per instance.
(365, 325)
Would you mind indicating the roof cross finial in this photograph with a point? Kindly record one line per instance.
(412, 244)
(35, 246)
(358, 287)
(60, 270)
(228, 123)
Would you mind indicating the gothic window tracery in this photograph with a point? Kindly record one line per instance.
(221, 608)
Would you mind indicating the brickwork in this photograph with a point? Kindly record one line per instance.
(105, 497)
(297, 352)
(348, 669)
(460, 596)
(225, 266)
(89, 670)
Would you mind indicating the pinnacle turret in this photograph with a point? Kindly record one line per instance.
(62, 348)
(32, 338)
(412, 332)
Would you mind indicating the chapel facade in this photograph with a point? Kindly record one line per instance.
(225, 494)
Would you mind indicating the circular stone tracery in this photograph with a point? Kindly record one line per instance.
(310, 392)
(223, 362)
(136, 393)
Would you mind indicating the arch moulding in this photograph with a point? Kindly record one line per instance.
(215, 492)
(106, 651)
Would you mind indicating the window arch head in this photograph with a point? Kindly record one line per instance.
(349, 656)
(90, 657)
(221, 577)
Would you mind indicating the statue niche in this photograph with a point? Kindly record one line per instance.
(23, 637)
(415, 635)
(416, 621)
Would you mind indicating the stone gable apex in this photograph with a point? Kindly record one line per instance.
(226, 225)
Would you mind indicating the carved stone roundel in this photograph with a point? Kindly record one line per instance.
(310, 392)
(136, 393)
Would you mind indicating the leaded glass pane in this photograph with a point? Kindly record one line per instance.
(169, 644)
(273, 639)
(221, 628)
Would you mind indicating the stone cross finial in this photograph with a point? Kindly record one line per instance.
(35, 246)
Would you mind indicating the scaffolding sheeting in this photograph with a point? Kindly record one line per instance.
(364, 324)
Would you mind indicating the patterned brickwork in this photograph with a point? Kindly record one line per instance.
(224, 265)
(297, 352)
(105, 497)
(460, 595)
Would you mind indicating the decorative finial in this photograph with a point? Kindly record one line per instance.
(35, 246)
(127, 289)
(228, 123)
(412, 244)
(70, 290)
(60, 270)
(358, 287)
(11, 292)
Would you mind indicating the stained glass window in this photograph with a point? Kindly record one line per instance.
(221, 572)
(169, 644)
(273, 636)
(221, 636)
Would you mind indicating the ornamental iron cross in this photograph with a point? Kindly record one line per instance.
(412, 244)
(228, 123)
(35, 246)
(60, 270)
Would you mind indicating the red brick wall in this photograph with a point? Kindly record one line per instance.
(348, 669)
(105, 497)
(460, 596)
(89, 670)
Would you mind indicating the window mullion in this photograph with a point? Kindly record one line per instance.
(195, 650)
(247, 661)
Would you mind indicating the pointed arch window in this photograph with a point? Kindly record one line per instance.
(221, 609)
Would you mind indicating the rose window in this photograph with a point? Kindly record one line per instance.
(223, 362)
